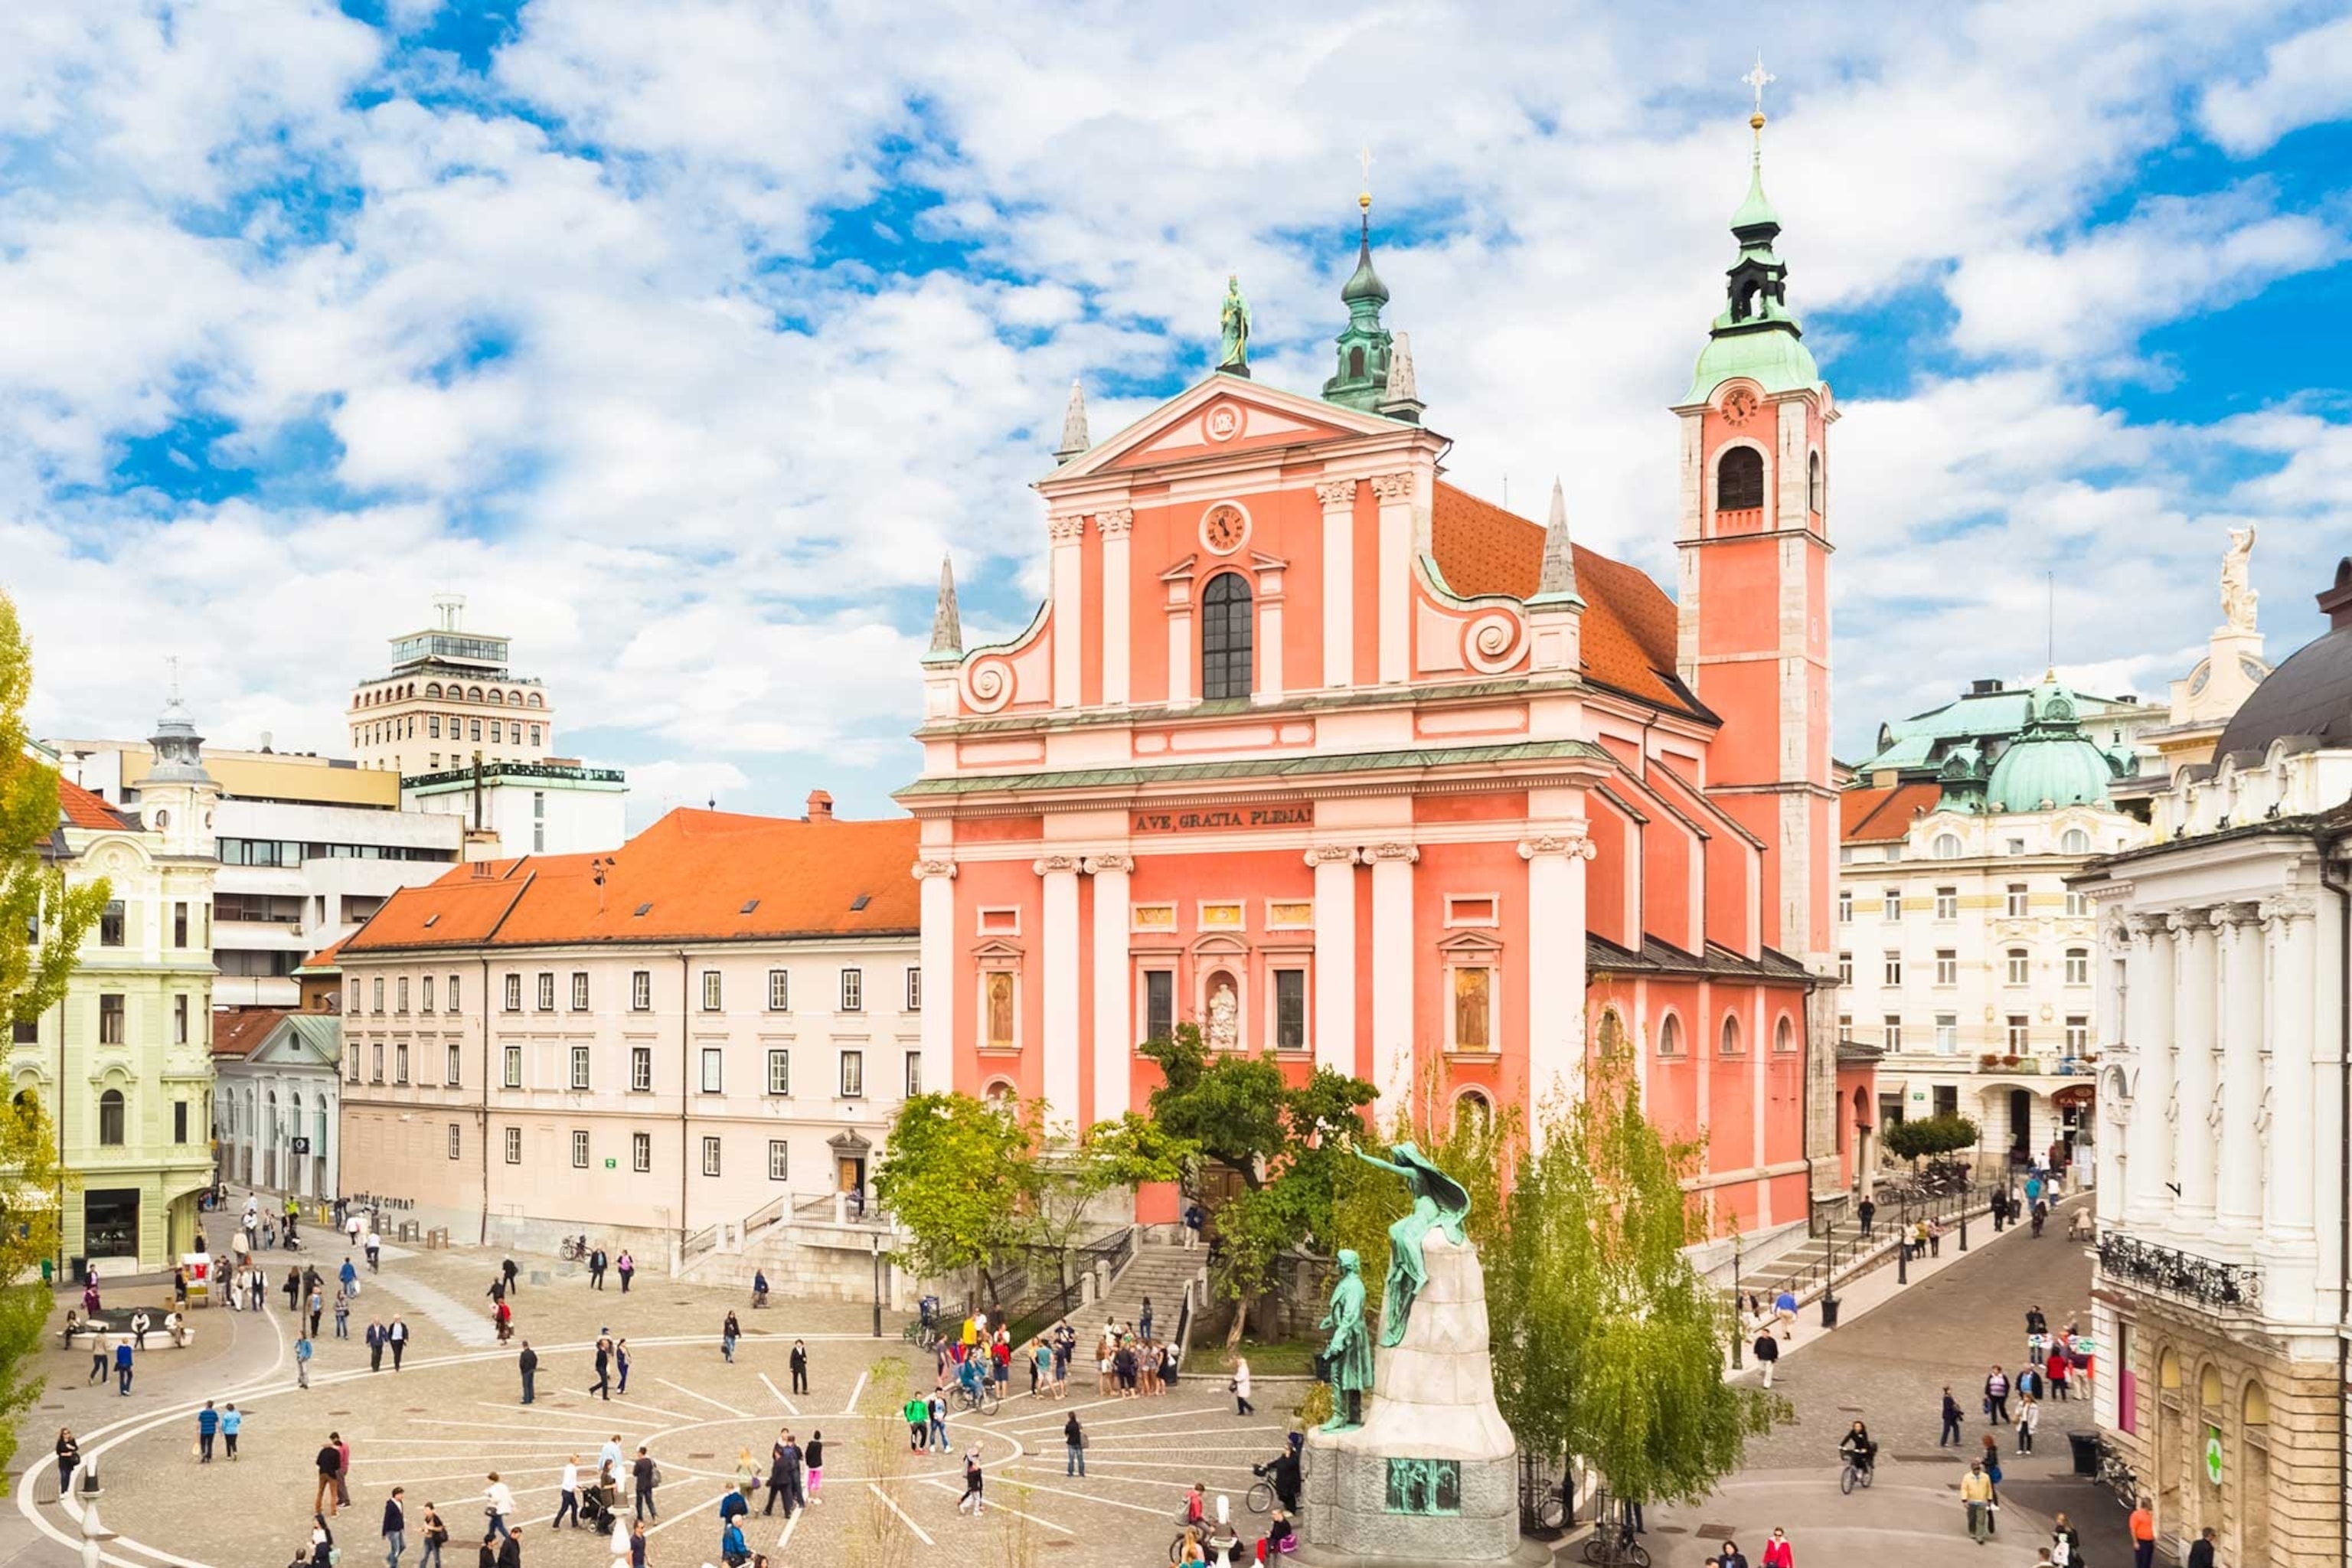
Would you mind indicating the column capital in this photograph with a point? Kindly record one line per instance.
(1332, 855)
(2241, 914)
(1098, 864)
(934, 866)
(1336, 493)
(1046, 866)
(1065, 530)
(1574, 843)
(1393, 487)
(2182, 922)
(2280, 911)
(1115, 523)
(2146, 925)
(1405, 852)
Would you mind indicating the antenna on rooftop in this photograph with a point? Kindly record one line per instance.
(449, 610)
(2049, 621)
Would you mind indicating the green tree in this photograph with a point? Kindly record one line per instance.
(952, 1175)
(33, 892)
(33, 1186)
(1929, 1136)
(1064, 1180)
(1607, 1343)
(1283, 1143)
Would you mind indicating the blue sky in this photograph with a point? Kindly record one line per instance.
(683, 338)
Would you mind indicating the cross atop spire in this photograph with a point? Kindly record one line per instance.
(1760, 78)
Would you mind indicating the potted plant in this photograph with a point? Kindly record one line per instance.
(2009, 1062)
(1989, 1059)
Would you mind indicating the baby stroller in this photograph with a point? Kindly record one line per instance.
(596, 1506)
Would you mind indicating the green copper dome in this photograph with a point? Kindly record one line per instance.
(1365, 285)
(2052, 763)
(1755, 212)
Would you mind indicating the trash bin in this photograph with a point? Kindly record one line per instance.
(76, 1269)
(2087, 1452)
(1829, 1310)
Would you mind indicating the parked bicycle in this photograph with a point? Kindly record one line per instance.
(575, 1248)
(2117, 1476)
(1614, 1543)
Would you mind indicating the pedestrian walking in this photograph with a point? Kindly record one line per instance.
(729, 1332)
(1194, 1220)
(349, 1276)
(603, 1386)
(2143, 1535)
(800, 1366)
(1976, 1493)
(436, 1536)
(779, 1490)
(342, 1315)
(621, 1364)
(396, 1337)
(1779, 1552)
(647, 1475)
(812, 1460)
(1995, 1398)
(918, 1423)
(101, 1358)
(122, 1367)
(596, 1270)
(207, 1428)
(395, 1528)
(939, 1411)
(971, 1486)
(302, 1361)
(528, 1364)
(232, 1423)
(69, 1457)
(511, 1273)
(567, 1496)
(1767, 1354)
(2028, 1417)
(318, 1312)
(626, 1267)
(1073, 1444)
(375, 1344)
(2066, 1543)
(498, 1502)
(1951, 1433)
(330, 1470)
(1241, 1387)
(2055, 1371)
(1866, 1211)
(1990, 1462)
(637, 1544)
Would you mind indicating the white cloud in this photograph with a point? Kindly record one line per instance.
(2304, 79)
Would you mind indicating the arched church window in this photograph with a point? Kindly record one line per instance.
(1730, 1035)
(110, 1117)
(1813, 483)
(1225, 667)
(1739, 479)
(1670, 1036)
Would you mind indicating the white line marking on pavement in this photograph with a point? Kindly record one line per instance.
(674, 1518)
(740, 1415)
(903, 1516)
(542, 1409)
(1187, 1432)
(1039, 1415)
(786, 1538)
(851, 1408)
(1166, 1513)
(1062, 1531)
(1131, 1420)
(779, 1393)
(1095, 1464)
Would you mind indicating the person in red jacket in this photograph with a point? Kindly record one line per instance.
(1779, 1552)
(2057, 1369)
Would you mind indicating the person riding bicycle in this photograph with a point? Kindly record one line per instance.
(1857, 1450)
(968, 1376)
(930, 1312)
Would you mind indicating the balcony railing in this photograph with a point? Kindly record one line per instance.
(2179, 1275)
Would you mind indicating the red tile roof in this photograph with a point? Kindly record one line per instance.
(321, 961)
(1879, 815)
(1628, 632)
(80, 808)
(705, 876)
(237, 1030)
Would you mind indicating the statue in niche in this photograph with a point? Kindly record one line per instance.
(2238, 596)
(1225, 1031)
(1000, 1010)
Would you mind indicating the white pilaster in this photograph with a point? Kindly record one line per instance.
(2150, 1031)
(2290, 1255)
(1116, 528)
(1069, 610)
(1335, 956)
(2240, 1205)
(2194, 1070)
(1115, 1031)
(1180, 641)
(1392, 965)
(1556, 978)
(1338, 499)
(1059, 942)
(1395, 493)
(936, 873)
(1269, 650)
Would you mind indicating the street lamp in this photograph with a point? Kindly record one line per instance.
(1739, 1323)
(878, 1286)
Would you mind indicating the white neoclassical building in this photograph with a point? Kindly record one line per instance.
(275, 1108)
(2221, 1283)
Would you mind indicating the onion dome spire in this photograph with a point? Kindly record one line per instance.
(1756, 335)
(1361, 380)
(947, 621)
(1073, 425)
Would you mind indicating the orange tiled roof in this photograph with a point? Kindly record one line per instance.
(322, 960)
(1877, 815)
(237, 1030)
(706, 876)
(80, 808)
(1628, 633)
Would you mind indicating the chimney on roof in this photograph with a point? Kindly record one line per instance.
(1984, 688)
(2336, 603)
(820, 806)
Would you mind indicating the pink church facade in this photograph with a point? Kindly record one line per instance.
(1350, 767)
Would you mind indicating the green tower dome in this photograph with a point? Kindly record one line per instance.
(2051, 762)
(1366, 348)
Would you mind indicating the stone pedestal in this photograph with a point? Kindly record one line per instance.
(1454, 1497)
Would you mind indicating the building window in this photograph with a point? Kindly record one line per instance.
(713, 1069)
(1891, 968)
(641, 1070)
(513, 1055)
(514, 994)
(375, 994)
(578, 1151)
(710, 1156)
(1290, 1009)
(538, 812)
(1948, 1099)
(1891, 1028)
(180, 1019)
(641, 1151)
(2013, 904)
(1948, 1034)
(400, 1061)
(852, 990)
(456, 1054)
(111, 1118)
(580, 1066)
(1730, 1045)
(853, 1075)
(1473, 1008)
(425, 994)
(2016, 847)
(2078, 904)
(1225, 631)
(2020, 966)
(579, 991)
(355, 998)
(433, 726)
(2078, 1035)
(25, 1032)
(111, 1019)
(180, 926)
(498, 730)
(1670, 1036)
(914, 989)
(534, 734)
(401, 991)
(2017, 1034)
(1158, 1004)
(780, 1072)
(780, 991)
(1845, 906)
(456, 1141)
(641, 991)
(1947, 903)
(513, 1136)
(1946, 847)
(1846, 969)
(375, 1063)
(1739, 479)
(547, 992)
(2074, 841)
(779, 1160)
(453, 993)
(1891, 904)
(2078, 966)
(352, 1056)
(914, 1074)
(1948, 966)
(1813, 483)
(1784, 1036)
(110, 924)
(711, 991)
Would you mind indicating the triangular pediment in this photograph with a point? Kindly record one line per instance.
(1222, 414)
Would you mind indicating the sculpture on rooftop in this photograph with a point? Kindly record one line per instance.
(2238, 596)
